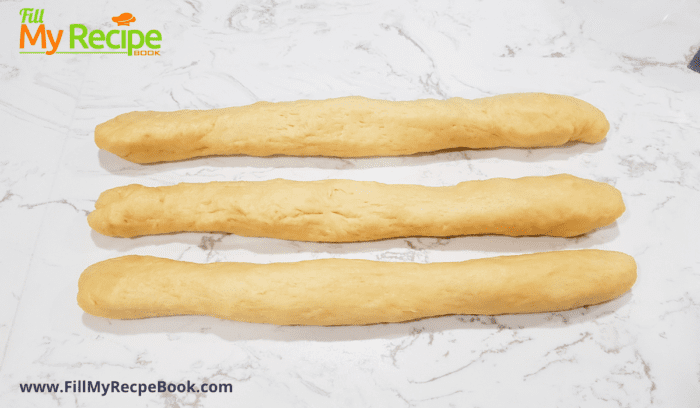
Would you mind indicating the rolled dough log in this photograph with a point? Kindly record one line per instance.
(349, 211)
(353, 127)
(353, 292)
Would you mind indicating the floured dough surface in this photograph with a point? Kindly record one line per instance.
(353, 292)
(353, 127)
(350, 211)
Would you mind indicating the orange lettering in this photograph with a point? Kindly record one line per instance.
(32, 40)
(54, 44)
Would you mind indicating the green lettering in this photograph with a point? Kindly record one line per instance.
(38, 16)
(123, 38)
(109, 40)
(133, 45)
(96, 35)
(74, 36)
(153, 35)
(26, 13)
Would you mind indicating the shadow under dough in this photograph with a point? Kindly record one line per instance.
(272, 246)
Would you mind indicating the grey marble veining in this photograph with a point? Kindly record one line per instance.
(627, 58)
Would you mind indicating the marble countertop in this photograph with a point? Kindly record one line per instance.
(627, 58)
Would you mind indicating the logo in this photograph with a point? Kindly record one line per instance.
(84, 41)
(124, 19)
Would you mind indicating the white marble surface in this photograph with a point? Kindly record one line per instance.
(627, 58)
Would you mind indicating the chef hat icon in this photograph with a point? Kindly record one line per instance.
(124, 19)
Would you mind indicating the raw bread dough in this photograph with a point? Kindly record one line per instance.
(353, 292)
(349, 211)
(353, 127)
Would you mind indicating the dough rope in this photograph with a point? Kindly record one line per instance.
(352, 211)
(353, 127)
(353, 292)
